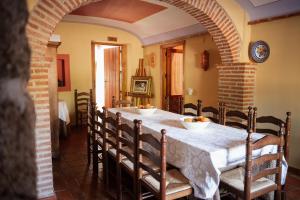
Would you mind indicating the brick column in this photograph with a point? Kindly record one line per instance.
(237, 85)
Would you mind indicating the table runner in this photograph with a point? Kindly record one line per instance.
(199, 154)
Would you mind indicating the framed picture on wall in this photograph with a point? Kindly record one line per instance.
(141, 86)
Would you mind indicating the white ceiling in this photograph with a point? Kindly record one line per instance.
(173, 23)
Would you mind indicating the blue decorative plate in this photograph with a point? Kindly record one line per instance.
(259, 51)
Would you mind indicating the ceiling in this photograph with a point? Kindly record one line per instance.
(153, 21)
(261, 9)
(131, 11)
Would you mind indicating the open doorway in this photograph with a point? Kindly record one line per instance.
(172, 67)
(109, 72)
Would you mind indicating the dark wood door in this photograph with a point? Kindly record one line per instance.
(111, 74)
(173, 96)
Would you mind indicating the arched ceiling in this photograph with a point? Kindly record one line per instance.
(154, 21)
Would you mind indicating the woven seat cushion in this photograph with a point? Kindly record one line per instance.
(175, 182)
(235, 178)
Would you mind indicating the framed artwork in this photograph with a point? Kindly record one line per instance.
(141, 86)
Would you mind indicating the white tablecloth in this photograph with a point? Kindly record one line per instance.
(63, 112)
(199, 154)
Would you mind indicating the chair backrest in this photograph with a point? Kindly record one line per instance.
(81, 101)
(271, 125)
(144, 142)
(191, 109)
(126, 138)
(121, 103)
(254, 161)
(110, 130)
(238, 119)
(99, 125)
(214, 114)
(91, 117)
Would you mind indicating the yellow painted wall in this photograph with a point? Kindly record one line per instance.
(278, 79)
(76, 41)
(204, 83)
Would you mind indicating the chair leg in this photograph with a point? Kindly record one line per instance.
(81, 120)
(138, 191)
(105, 170)
(88, 148)
(119, 182)
(277, 195)
(95, 157)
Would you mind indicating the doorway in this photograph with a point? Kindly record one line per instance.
(109, 72)
(172, 67)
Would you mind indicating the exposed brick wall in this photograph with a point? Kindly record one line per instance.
(237, 85)
(43, 19)
(38, 88)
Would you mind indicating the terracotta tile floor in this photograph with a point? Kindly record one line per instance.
(74, 180)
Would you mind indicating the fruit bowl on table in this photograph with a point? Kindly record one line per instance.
(191, 123)
(146, 110)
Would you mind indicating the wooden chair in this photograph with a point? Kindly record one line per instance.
(90, 130)
(191, 109)
(161, 183)
(121, 103)
(98, 156)
(109, 146)
(248, 183)
(238, 119)
(214, 114)
(126, 154)
(81, 100)
(271, 125)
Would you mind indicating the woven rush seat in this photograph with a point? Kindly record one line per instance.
(235, 178)
(175, 182)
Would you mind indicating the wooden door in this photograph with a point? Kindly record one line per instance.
(112, 74)
(174, 79)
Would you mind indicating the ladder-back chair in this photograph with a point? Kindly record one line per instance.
(161, 183)
(248, 183)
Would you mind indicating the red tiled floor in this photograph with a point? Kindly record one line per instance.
(74, 179)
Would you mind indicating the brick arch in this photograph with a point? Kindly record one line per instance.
(48, 13)
(217, 22)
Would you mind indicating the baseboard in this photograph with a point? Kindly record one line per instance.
(294, 170)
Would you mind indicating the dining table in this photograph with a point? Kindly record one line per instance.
(200, 154)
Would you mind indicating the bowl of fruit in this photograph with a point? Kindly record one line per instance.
(146, 109)
(194, 122)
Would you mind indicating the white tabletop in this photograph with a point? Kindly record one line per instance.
(199, 154)
(63, 112)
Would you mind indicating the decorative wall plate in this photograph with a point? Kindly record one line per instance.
(259, 51)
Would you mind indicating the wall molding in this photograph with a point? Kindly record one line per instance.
(270, 19)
